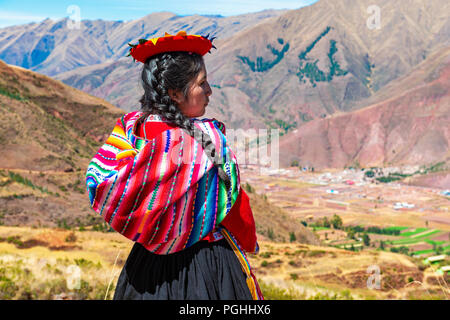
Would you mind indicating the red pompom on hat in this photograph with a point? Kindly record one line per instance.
(179, 42)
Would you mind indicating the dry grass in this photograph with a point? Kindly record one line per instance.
(318, 272)
(39, 264)
(45, 263)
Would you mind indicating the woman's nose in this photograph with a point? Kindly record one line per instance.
(208, 90)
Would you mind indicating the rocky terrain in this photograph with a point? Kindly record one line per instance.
(409, 127)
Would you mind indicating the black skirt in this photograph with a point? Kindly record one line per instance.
(205, 271)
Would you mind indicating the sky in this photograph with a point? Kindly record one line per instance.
(14, 12)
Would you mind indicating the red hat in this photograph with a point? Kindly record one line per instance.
(179, 42)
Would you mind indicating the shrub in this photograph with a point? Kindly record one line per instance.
(270, 234)
(336, 221)
(83, 292)
(102, 227)
(402, 249)
(248, 188)
(292, 237)
(8, 288)
(71, 237)
(366, 239)
(272, 292)
(62, 223)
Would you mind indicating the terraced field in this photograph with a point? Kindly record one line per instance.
(419, 241)
(423, 224)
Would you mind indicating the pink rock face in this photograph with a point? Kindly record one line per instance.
(412, 128)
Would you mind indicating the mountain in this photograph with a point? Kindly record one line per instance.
(322, 59)
(301, 65)
(47, 125)
(50, 132)
(409, 125)
(53, 47)
(287, 70)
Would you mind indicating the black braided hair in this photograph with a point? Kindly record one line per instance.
(175, 70)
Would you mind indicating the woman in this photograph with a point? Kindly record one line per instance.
(169, 182)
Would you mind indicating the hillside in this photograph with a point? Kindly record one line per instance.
(51, 131)
(277, 69)
(321, 60)
(48, 125)
(275, 224)
(409, 127)
(51, 47)
(301, 65)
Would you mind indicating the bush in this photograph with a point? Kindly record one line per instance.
(272, 292)
(270, 234)
(366, 239)
(369, 174)
(63, 224)
(336, 221)
(292, 237)
(325, 222)
(402, 249)
(102, 227)
(83, 292)
(248, 188)
(71, 237)
(8, 288)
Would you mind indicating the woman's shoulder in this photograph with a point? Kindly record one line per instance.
(220, 125)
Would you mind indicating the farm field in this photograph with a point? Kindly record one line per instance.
(418, 243)
(422, 225)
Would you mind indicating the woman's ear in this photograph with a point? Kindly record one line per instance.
(176, 95)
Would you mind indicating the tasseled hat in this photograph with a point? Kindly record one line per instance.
(179, 42)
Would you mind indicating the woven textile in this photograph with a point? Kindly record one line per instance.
(164, 192)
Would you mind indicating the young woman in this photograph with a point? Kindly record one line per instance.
(170, 183)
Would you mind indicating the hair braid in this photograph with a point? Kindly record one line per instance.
(175, 70)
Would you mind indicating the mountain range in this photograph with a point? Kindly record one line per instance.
(50, 131)
(340, 90)
(408, 126)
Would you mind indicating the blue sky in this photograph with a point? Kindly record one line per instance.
(13, 12)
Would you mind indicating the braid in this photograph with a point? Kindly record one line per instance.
(157, 77)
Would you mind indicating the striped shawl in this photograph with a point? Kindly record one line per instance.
(165, 193)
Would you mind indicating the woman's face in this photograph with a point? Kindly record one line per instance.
(194, 104)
